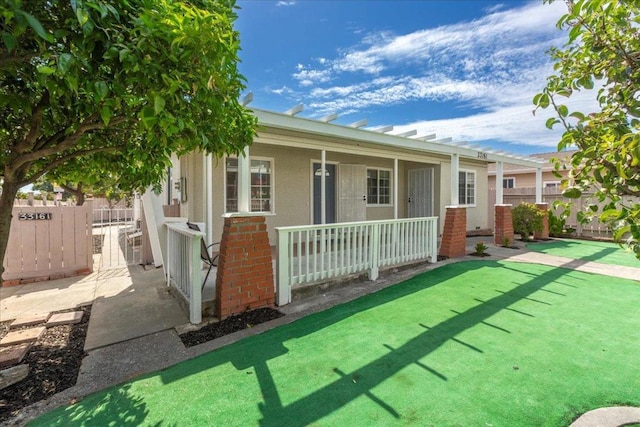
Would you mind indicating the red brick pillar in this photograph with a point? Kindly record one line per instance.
(544, 234)
(245, 275)
(503, 225)
(454, 237)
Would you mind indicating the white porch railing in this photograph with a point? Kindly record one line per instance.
(183, 266)
(312, 253)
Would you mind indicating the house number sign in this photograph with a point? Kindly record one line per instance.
(482, 155)
(34, 216)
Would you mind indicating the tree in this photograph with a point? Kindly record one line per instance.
(136, 79)
(602, 55)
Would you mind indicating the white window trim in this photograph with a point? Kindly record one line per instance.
(273, 183)
(555, 183)
(513, 178)
(475, 188)
(381, 205)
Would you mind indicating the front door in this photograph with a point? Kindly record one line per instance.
(352, 191)
(330, 189)
(420, 202)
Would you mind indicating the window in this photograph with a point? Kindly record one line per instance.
(261, 185)
(552, 184)
(378, 187)
(509, 182)
(466, 188)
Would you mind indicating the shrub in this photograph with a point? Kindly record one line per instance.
(527, 219)
(558, 225)
(506, 242)
(481, 248)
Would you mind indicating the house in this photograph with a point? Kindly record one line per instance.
(517, 176)
(367, 174)
(334, 200)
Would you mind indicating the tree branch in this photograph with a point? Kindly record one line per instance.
(34, 128)
(66, 144)
(54, 164)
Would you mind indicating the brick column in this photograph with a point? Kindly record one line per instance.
(503, 224)
(245, 275)
(544, 234)
(454, 237)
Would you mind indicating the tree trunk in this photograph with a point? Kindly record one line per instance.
(9, 191)
(77, 192)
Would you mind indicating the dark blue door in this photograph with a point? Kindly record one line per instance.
(330, 184)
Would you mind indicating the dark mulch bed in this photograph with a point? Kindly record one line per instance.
(229, 325)
(54, 363)
(482, 255)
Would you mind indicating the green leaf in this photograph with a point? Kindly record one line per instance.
(578, 115)
(44, 69)
(64, 62)
(544, 100)
(36, 26)
(572, 192)
(610, 215)
(9, 41)
(158, 104)
(551, 121)
(82, 15)
(563, 110)
(106, 114)
(101, 89)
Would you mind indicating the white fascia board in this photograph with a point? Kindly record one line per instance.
(301, 124)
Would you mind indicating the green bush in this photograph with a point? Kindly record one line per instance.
(527, 219)
(481, 248)
(558, 225)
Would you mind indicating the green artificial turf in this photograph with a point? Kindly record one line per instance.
(588, 250)
(471, 343)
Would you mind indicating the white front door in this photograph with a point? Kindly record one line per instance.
(352, 189)
(420, 202)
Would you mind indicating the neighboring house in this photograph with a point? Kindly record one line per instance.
(297, 165)
(517, 176)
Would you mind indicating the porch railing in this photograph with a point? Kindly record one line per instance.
(183, 266)
(313, 253)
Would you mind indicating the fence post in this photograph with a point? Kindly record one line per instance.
(283, 287)
(374, 252)
(195, 293)
(433, 238)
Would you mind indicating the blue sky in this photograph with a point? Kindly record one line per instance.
(461, 69)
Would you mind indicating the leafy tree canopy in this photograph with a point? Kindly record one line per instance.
(138, 79)
(602, 55)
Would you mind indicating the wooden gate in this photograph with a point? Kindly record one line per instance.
(48, 242)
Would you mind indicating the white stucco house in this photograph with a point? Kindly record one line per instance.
(302, 171)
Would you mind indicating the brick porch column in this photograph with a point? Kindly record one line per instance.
(454, 237)
(544, 234)
(245, 275)
(503, 224)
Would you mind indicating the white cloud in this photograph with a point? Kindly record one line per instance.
(495, 64)
(285, 3)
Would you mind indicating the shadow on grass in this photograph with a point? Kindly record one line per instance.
(349, 386)
(254, 352)
(570, 247)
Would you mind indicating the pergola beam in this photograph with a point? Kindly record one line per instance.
(295, 110)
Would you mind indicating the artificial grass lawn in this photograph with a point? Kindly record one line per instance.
(471, 343)
(587, 250)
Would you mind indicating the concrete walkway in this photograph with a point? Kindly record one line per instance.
(134, 320)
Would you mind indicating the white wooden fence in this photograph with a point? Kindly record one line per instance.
(312, 253)
(48, 242)
(183, 266)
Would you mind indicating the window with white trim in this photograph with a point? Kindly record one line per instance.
(261, 185)
(552, 184)
(378, 187)
(509, 182)
(466, 187)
